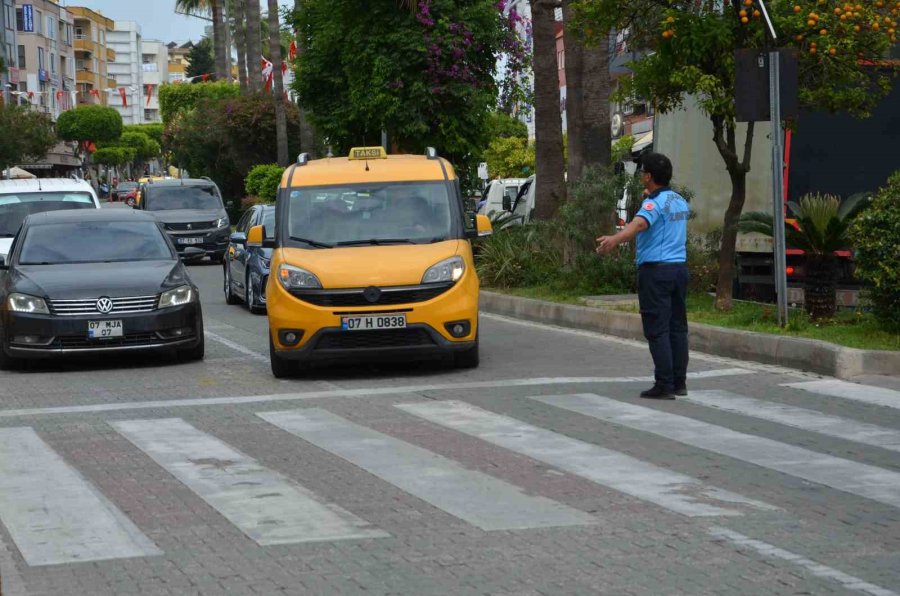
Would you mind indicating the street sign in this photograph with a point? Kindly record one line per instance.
(483, 170)
(27, 18)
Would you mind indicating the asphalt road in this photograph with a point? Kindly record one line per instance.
(538, 473)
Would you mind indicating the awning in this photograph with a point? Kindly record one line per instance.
(642, 142)
(16, 173)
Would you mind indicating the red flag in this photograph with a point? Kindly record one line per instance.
(292, 51)
(149, 93)
(59, 95)
(283, 68)
(95, 93)
(124, 97)
(30, 95)
(267, 70)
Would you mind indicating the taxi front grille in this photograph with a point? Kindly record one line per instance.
(121, 306)
(365, 297)
(362, 340)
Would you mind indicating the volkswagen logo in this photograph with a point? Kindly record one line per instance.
(104, 305)
(372, 294)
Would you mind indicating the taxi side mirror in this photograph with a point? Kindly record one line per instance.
(257, 238)
(483, 225)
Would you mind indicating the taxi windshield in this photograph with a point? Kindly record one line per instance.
(385, 213)
(14, 208)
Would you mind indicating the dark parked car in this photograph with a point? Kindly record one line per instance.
(96, 281)
(192, 212)
(247, 268)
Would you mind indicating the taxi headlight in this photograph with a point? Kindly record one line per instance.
(177, 297)
(295, 278)
(26, 303)
(221, 222)
(447, 270)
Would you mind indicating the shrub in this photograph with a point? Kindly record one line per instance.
(590, 210)
(510, 157)
(519, 256)
(875, 234)
(263, 181)
(703, 260)
(175, 99)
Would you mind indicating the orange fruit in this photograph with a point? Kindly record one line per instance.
(670, 20)
(798, 9)
(857, 28)
(748, 2)
(823, 32)
(745, 20)
(810, 23)
(838, 10)
(743, 13)
(879, 4)
(757, 14)
(799, 38)
(812, 50)
(832, 51)
(859, 7)
(875, 27)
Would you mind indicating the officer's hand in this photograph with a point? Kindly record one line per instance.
(605, 244)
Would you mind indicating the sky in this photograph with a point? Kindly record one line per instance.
(157, 18)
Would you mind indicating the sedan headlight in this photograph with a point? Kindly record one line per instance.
(447, 270)
(295, 278)
(26, 303)
(222, 222)
(177, 297)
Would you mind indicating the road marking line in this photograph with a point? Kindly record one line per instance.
(364, 392)
(670, 490)
(849, 582)
(864, 393)
(811, 420)
(236, 346)
(265, 505)
(475, 497)
(53, 514)
(846, 475)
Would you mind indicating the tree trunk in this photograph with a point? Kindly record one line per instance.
(228, 14)
(549, 163)
(574, 97)
(219, 39)
(254, 57)
(596, 136)
(280, 112)
(240, 40)
(820, 287)
(307, 132)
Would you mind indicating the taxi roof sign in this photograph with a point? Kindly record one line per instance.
(367, 153)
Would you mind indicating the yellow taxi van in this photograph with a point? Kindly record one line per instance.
(371, 260)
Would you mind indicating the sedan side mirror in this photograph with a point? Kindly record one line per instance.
(229, 204)
(238, 238)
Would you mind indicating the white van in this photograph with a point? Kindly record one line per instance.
(21, 198)
(497, 191)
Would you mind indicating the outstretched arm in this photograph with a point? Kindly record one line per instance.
(635, 227)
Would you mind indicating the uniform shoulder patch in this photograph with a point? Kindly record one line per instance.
(649, 205)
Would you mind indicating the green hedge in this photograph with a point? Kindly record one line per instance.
(180, 98)
(263, 181)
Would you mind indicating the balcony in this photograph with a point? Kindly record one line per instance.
(85, 76)
(83, 44)
(110, 83)
(110, 55)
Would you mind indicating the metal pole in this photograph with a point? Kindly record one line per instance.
(778, 186)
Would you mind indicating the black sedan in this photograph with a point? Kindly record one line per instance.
(246, 267)
(93, 282)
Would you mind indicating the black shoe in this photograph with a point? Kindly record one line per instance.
(680, 388)
(658, 392)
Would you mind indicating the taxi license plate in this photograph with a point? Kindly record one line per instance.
(190, 241)
(104, 329)
(373, 322)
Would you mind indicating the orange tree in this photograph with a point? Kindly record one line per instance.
(690, 51)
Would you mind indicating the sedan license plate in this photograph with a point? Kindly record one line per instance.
(190, 241)
(373, 322)
(104, 329)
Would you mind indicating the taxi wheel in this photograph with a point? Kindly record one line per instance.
(230, 298)
(467, 358)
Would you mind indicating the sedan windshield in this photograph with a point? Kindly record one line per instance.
(14, 208)
(166, 198)
(94, 242)
(370, 214)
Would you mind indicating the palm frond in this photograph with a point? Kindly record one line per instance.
(757, 221)
(854, 204)
(818, 210)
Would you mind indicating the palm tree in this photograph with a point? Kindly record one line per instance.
(240, 40)
(280, 112)
(820, 230)
(254, 55)
(213, 7)
(549, 162)
(574, 57)
(596, 89)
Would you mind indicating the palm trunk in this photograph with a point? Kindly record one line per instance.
(219, 39)
(227, 13)
(240, 40)
(307, 132)
(280, 112)
(820, 287)
(549, 162)
(574, 97)
(597, 84)
(254, 57)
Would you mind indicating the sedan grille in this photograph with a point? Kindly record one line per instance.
(368, 297)
(76, 342)
(120, 306)
(185, 227)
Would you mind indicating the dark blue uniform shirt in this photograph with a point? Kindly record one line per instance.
(665, 241)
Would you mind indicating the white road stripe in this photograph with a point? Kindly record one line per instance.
(53, 514)
(236, 346)
(847, 581)
(362, 392)
(472, 496)
(869, 394)
(671, 490)
(265, 505)
(811, 420)
(842, 474)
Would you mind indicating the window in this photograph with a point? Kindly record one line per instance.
(21, 56)
(94, 64)
(68, 34)
(52, 63)
(95, 242)
(79, 33)
(38, 26)
(20, 20)
(11, 15)
(561, 60)
(41, 64)
(51, 28)
(94, 34)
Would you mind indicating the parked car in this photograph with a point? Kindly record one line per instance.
(193, 214)
(497, 192)
(125, 192)
(95, 282)
(247, 267)
(20, 198)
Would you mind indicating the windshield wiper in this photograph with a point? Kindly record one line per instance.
(376, 241)
(312, 242)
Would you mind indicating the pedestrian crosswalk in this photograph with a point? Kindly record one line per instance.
(54, 514)
(879, 396)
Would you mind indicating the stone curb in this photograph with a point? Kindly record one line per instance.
(805, 354)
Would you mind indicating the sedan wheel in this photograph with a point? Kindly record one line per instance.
(230, 298)
(252, 304)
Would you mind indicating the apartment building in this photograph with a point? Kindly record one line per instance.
(126, 41)
(9, 79)
(155, 58)
(92, 55)
(178, 61)
(44, 56)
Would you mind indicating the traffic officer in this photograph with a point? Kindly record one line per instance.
(661, 230)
